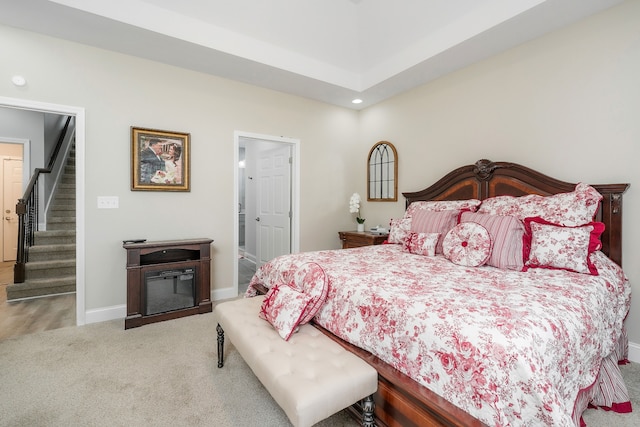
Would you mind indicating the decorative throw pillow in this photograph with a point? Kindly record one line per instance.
(467, 244)
(434, 222)
(399, 229)
(506, 234)
(548, 245)
(570, 209)
(442, 205)
(421, 243)
(283, 307)
(311, 279)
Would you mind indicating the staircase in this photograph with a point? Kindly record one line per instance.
(51, 268)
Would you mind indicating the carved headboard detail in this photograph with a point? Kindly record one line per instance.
(486, 179)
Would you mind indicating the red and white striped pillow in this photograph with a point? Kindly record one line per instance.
(441, 222)
(506, 234)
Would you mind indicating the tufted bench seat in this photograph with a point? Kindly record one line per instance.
(310, 376)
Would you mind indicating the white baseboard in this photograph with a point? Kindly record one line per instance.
(224, 293)
(120, 311)
(634, 352)
(106, 313)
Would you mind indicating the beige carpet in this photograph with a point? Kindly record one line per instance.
(162, 374)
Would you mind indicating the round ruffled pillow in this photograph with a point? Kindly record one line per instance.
(468, 244)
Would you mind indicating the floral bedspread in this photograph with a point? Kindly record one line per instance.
(510, 348)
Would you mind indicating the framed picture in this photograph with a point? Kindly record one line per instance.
(159, 160)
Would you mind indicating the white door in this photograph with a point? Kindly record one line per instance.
(273, 221)
(12, 191)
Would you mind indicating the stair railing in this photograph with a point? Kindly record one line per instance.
(28, 211)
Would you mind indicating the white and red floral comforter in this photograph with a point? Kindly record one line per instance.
(510, 348)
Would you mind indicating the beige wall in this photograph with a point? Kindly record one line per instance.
(119, 91)
(557, 104)
(567, 104)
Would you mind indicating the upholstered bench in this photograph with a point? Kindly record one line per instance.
(310, 376)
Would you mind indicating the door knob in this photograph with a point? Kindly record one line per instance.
(258, 219)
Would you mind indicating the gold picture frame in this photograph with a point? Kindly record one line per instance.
(160, 160)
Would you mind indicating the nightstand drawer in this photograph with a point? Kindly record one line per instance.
(356, 239)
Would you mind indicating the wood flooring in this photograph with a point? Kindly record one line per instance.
(32, 315)
(58, 311)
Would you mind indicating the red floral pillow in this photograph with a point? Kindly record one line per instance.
(467, 244)
(311, 279)
(421, 243)
(284, 307)
(442, 205)
(577, 207)
(549, 245)
(399, 230)
(434, 222)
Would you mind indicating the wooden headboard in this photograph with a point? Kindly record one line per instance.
(486, 179)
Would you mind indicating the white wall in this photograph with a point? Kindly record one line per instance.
(567, 104)
(119, 91)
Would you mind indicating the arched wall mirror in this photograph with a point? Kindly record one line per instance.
(382, 173)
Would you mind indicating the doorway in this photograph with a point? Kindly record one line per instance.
(266, 202)
(11, 190)
(79, 114)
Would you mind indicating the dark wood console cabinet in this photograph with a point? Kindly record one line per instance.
(160, 256)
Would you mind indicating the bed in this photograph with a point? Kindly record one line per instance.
(458, 342)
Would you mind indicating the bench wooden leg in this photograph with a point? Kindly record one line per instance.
(220, 346)
(368, 407)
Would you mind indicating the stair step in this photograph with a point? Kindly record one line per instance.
(39, 287)
(65, 207)
(66, 196)
(49, 269)
(54, 237)
(62, 213)
(61, 225)
(52, 252)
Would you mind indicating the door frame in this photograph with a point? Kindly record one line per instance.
(79, 114)
(295, 197)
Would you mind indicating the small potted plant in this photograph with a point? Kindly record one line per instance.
(354, 207)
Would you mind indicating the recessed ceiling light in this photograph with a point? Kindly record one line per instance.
(357, 101)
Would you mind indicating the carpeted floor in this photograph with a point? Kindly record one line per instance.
(162, 374)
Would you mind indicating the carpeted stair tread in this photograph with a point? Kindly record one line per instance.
(40, 287)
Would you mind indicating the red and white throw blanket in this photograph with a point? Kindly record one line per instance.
(510, 348)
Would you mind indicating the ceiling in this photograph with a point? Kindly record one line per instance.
(328, 50)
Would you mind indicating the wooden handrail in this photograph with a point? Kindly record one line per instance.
(27, 210)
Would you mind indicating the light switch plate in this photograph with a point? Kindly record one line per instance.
(108, 202)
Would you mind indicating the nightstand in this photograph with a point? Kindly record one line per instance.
(355, 239)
